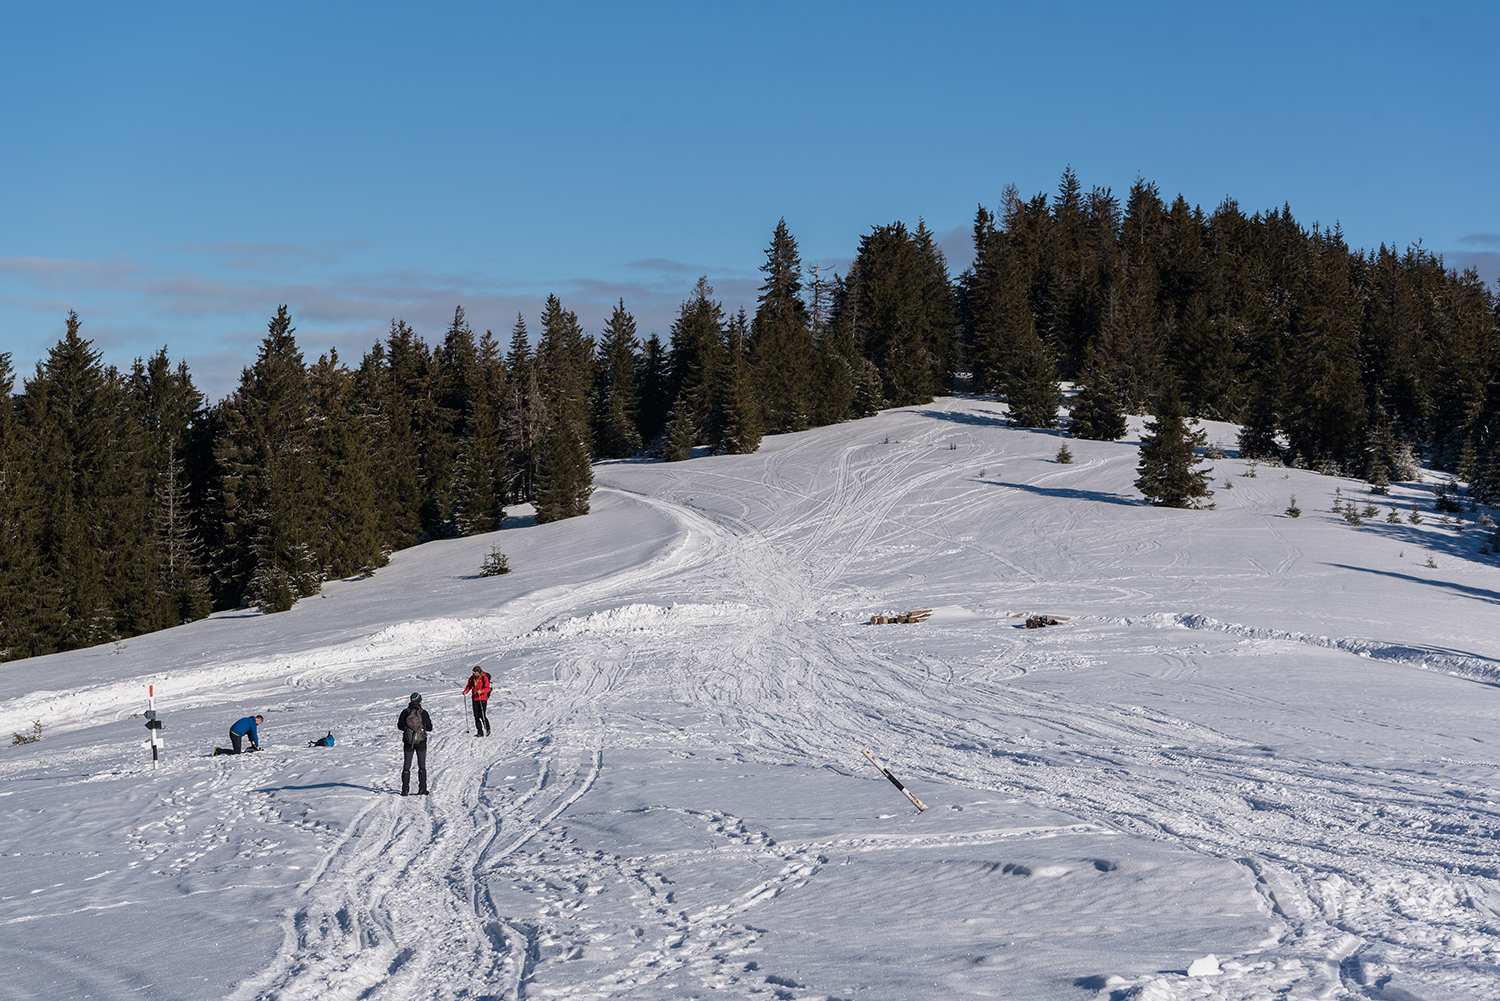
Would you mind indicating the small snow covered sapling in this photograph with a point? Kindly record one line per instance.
(1416, 515)
(1063, 455)
(1370, 510)
(1394, 517)
(1251, 471)
(1352, 516)
(1293, 511)
(1431, 563)
(495, 563)
(29, 738)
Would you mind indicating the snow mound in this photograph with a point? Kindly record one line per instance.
(1454, 662)
(642, 618)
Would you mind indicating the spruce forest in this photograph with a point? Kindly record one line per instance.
(131, 503)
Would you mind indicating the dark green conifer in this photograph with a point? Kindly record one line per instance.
(350, 537)
(271, 509)
(565, 364)
(656, 391)
(1095, 414)
(616, 404)
(1168, 477)
(736, 417)
(697, 354)
(682, 433)
(95, 543)
(780, 341)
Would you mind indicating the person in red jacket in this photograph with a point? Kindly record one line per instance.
(478, 689)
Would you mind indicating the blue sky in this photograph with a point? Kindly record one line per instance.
(175, 171)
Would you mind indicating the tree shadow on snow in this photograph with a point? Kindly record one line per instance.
(1492, 597)
(1070, 492)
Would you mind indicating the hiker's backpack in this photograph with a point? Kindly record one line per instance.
(322, 741)
(413, 735)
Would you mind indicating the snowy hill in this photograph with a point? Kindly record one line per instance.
(1270, 740)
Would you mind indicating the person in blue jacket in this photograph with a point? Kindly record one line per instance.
(246, 728)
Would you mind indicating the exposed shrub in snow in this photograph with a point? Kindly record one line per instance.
(495, 564)
(29, 738)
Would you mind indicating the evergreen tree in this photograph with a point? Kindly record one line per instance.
(978, 305)
(1096, 414)
(349, 536)
(682, 433)
(479, 481)
(616, 404)
(565, 360)
(522, 431)
(24, 600)
(780, 343)
(892, 322)
(1031, 388)
(1168, 457)
(735, 420)
(518, 355)
(270, 508)
(167, 406)
(1326, 418)
(396, 457)
(697, 354)
(939, 309)
(656, 390)
(95, 544)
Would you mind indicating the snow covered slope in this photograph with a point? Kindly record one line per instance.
(1268, 740)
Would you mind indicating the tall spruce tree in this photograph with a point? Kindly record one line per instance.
(270, 507)
(565, 360)
(781, 346)
(96, 546)
(23, 598)
(697, 354)
(168, 407)
(1169, 476)
(892, 323)
(735, 421)
(655, 381)
(1095, 414)
(616, 403)
(350, 537)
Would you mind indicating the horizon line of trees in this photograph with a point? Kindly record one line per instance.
(130, 504)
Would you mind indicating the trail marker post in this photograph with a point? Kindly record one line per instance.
(153, 724)
(921, 807)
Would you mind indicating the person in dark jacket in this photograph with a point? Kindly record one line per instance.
(415, 725)
(243, 728)
(478, 689)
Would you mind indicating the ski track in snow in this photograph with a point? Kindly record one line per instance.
(748, 632)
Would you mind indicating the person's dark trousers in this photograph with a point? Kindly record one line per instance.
(421, 751)
(234, 741)
(481, 718)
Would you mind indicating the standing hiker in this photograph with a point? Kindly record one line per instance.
(243, 728)
(414, 724)
(479, 685)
